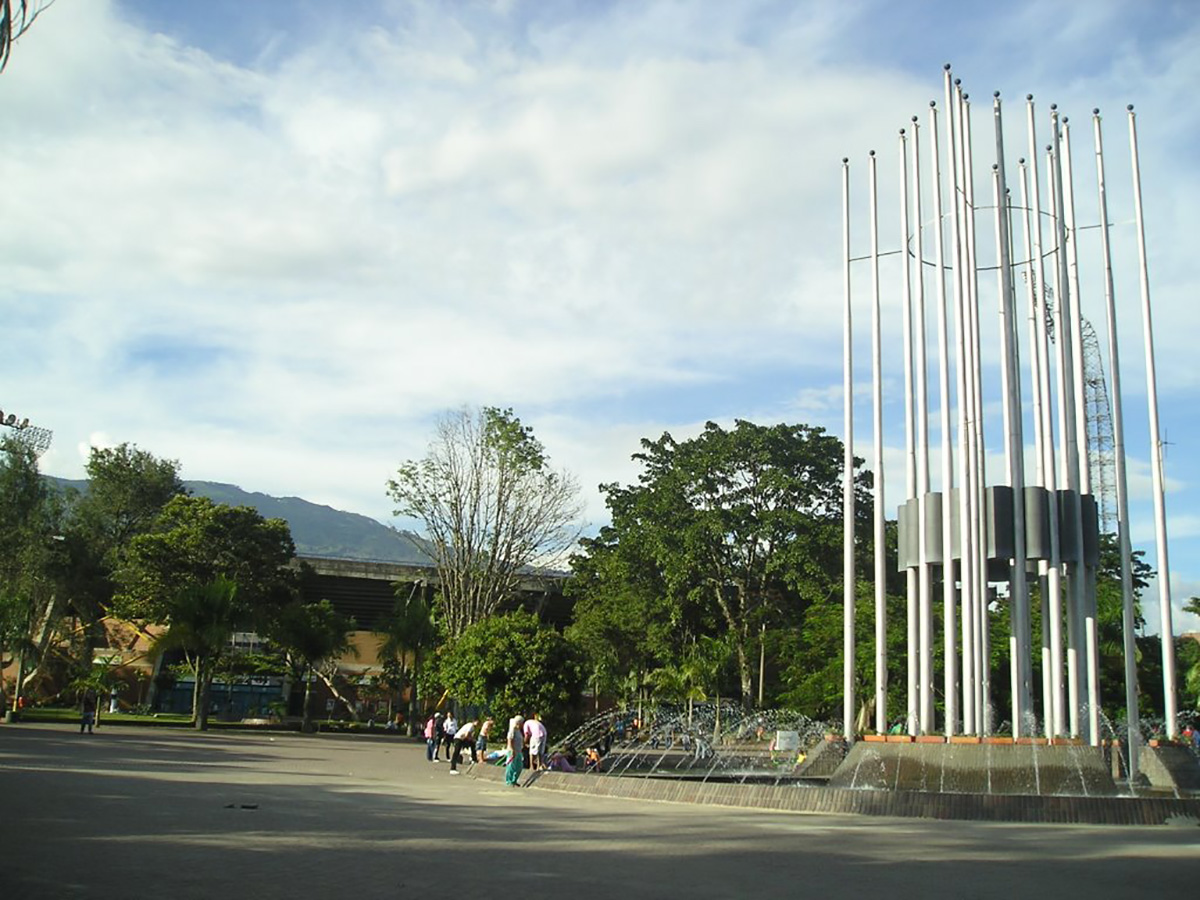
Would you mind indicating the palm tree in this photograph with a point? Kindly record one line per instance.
(408, 635)
(201, 624)
(311, 634)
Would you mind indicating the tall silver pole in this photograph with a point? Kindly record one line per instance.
(1067, 401)
(1170, 713)
(1114, 368)
(1086, 574)
(975, 437)
(1032, 282)
(1056, 715)
(1014, 437)
(925, 573)
(966, 555)
(949, 595)
(911, 575)
(879, 518)
(848, 576)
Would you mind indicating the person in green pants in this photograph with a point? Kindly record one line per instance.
(515, 748)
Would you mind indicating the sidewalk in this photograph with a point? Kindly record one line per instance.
(135, 814)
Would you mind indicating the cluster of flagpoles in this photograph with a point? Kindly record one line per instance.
(1038, 523)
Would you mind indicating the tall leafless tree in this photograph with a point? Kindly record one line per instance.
(494, 511)
(15, 18)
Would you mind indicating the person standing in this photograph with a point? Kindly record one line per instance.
(515, 747)
(87, 712)
(464, 737)
(449, 726)
(535, 733)
(433, 735)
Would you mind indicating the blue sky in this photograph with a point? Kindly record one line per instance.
(274, 240)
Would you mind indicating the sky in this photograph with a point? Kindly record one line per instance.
(276, 240)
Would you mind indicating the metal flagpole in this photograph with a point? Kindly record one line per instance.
(848, 576)
(975, 436)
(1066, 407)
(1086, 574)
(1055, 716)
(925, 572)
(949, 596)
(960, 343)
(1156, 463)
(1118, 418)
(1035, 378)
(1014, 443)
(880, 549)
(911, 575)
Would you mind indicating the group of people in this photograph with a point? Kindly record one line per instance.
(444, 733)
(524, 743)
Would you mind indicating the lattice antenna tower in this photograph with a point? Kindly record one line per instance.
(1101, 444)
(1101, 447)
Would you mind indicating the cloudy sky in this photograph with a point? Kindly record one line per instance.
(275, 240)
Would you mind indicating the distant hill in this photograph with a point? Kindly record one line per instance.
(317, 530)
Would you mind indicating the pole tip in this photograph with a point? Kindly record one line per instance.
(1021, 161)
(995, 167)
(1130, 107)
(1049, 148)
(1066, 119)
(957, 82)
(933, 104)
(845, 160)
(966, 96)
(1029, 96)
(996, 94)
(871, 153)
(902, 131)
(946, 67)
(914, 118)
(1053, 106)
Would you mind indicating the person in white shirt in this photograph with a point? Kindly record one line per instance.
(463, 737)
(449, 726)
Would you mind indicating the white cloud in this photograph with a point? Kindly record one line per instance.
(278, 267)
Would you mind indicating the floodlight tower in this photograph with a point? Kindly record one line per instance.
(35, 438)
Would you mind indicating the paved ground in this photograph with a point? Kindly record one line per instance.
(136, 813)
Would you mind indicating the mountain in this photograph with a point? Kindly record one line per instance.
(317, 530)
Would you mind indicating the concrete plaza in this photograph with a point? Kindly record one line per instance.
(142, 813)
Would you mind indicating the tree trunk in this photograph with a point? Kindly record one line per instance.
(306, 710)
(745, 673)
(328, 682)
(203, 683)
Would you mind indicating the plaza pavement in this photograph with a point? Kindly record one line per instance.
(143, 813)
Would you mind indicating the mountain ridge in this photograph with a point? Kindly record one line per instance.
(317, 529)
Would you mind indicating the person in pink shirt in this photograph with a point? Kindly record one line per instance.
(535, 735)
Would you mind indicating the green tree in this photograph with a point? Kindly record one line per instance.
(492, 509)
(127, 490)
(31, 564)
(196, 549)
(512, 664)
(410, 633)
(1189, 657)
(201, 621)
(196, 541)
(622, 620)
(312, 636)
(746, 523)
